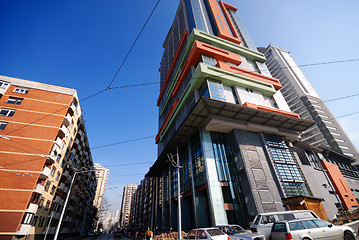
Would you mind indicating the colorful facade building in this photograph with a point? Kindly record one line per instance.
(221, 109)
(42, 143)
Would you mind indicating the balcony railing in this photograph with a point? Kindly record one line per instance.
(64, 132)
(39, 188)
(45, 173)
(68, 120)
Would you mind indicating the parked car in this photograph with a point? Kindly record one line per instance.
(207, 233)
(310, 229)
(263, 222)
(236, 232)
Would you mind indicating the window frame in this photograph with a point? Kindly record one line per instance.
(3, 125)
(22, 90)
(10, 112)
(16, 100)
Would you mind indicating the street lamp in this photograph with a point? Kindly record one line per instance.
(67, 199)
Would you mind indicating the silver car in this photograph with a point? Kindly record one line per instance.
(309, 229)
(236, 232)
(207, 233)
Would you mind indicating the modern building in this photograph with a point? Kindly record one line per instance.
(222, 111)
(141, 206)
(101, 179)
(128, 192)
(305, 101)
(43, 142)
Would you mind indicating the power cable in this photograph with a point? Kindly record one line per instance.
(123, 62)
(127, 141)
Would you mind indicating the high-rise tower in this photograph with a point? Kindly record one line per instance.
(221, 109)
(304, 100)
(128, 192)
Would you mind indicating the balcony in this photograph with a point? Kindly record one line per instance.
(61, 187)
(32, 208)
(65, 173)
(59, 200)
(60, 143)
(68, 120)
(39, 188)
(50, 159)
(45, 173)
(63, 132)
(24, 229)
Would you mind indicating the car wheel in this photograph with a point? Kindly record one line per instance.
(348, 236)
(306, 238)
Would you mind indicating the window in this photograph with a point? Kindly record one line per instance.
(53, 170)
(7, 112)
(41, 222)
(57, 176)
(34, 220)
(47, 185)
(343, 147)
(336, 134)
(4, 85)
(329, 122)
(14, 100)
(3, 125)
(52, 190)
(21, 90)
(279, 227)
(47, 205)
(27, 218)
(41, 202)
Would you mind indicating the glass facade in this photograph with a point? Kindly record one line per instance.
(287, 168)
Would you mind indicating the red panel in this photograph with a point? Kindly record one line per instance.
(223, 31)
(225, 66)
(340, 185)
(225, 7)
(206, 49)
(180, 46)
(275, 110)
(10, 221)
(166, 119)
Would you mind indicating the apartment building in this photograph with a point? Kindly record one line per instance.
(141, 206)
(101, 179)
(128, 192)
(305, 101)
(43, 142)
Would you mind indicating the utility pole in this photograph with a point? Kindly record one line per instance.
(177, 166)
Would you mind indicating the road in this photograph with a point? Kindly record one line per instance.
(109, 236)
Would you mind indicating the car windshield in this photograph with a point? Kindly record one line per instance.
(215, 232)
(238, 229)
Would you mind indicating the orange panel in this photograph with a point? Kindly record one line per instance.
(197, 50)
(180, 46)
(14, 200)
(223, 30)
(225, 7)
(275, 110)
(225, 66)
(166, 119)
(340, 185)
(9, 222)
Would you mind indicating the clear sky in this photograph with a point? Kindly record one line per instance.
(80, 44)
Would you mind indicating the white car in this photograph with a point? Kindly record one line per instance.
(309, 229)
(236, 232)
(207, 233)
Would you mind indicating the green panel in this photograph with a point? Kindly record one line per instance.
(214, 41)
(204, 71)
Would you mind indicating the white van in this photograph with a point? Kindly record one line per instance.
(263, 222)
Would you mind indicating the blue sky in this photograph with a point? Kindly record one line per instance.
(80, 44)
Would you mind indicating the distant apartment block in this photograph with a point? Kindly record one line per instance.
(43, 142)
(101, 179)
(305, 101)
(128, 192)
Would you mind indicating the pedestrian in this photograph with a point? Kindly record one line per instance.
(148, 234)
